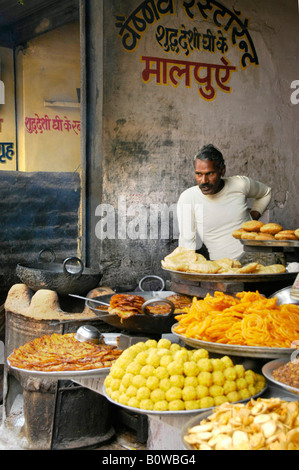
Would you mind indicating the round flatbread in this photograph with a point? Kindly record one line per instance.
(285, 235)
(238, 233)
(271, 228)
(249, 235)
(296, 232)
(252, 225)
(264, 236)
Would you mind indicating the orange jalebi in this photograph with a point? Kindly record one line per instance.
(248, 319)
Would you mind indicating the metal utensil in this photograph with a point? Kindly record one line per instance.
(87, 298)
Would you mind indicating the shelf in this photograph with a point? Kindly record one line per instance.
(62, 104)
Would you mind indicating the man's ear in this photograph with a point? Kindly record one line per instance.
(223, 171)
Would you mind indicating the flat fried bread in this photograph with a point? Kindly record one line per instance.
(252, 225)
(271, 228)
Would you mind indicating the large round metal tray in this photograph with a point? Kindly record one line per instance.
(284, 296)
(270, 243)
(268, 370)
(169, 413)
(110, 339)
(235, 350)
(199, 277)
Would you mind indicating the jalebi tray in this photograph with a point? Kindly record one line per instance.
(62, 353)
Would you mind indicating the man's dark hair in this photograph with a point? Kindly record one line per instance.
(211, 153)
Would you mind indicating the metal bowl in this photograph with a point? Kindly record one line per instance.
(89, 334)
(284, 296)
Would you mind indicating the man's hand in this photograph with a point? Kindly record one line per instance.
(255, 215)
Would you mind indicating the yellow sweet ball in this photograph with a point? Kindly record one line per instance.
(116, 371)
(191, 405)
(161, 405)
(189, 393)
(143, 393)
(107, 380)
(241, 383)
(206, 402)
(153, 359)
(151, 343)
(239, 368)
(175, 347)
(229, 386)
(249, 377)
(131, 391)
(216, 390)
(152, 382)
(140, 346)
(252, 389)
(122, 388)
(218, 377)
(244, 393)
(165, 384)
(139, 381)
(227, 361)
(123, 399)
(205, 378)
(230, 373)
(177, 380)
(233, 396)
(191, 369)
(142, 357)
(176, 405)
(127, 379)
(161, 372)
(157, 395)
(165, 360)
(127, 355)
(134, 368)
(260, 384)
(202, 391)
(173, 393)
(190, 381)
(115, 394)
(147, 370)
(163, 351)
(205, 365)
(164, 343)
(146, 404)
(219, 400)
(115, 384)
(199, 354)
(134, 402)
(217, 364)
(175, 367)
(181, 355)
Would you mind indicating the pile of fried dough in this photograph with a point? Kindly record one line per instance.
(256, 230)
(185, 260)
(262, 424)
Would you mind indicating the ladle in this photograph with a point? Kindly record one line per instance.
(87, 298)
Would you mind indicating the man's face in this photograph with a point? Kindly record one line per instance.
(208, 176)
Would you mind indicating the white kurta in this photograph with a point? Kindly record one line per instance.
(215, 217)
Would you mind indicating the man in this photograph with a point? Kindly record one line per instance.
(217, 206)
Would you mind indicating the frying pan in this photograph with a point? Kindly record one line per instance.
(146, 322)
(69, 277)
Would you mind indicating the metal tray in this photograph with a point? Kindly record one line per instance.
(199, 277)
(268, 369)
(235, 350)
(110, 339)
(284, 296)
(170, 413)
(270, 243)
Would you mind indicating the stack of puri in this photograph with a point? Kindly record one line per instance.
(256, 230)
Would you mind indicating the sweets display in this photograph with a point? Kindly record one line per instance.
(62, 353)
(262, 424)
(163, 376)
(247, 319)
(185, 260)
(256, 230)
(288, 374)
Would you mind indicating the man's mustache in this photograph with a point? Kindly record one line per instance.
(205, 186)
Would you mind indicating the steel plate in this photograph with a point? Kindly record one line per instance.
(198, 277)
(270, 243)
(170, 413)
(268, 369)
(235, 350)
(110, 339)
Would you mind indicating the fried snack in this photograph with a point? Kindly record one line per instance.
(62, 353)
(252, 225)
(249, 235)
(288, 374)
(272, 269)
(264, 236)
(248, 268)
(207, 267)
(238, 233)
(247, 319)
(262, 424)
(285, 235)
(179, 301)
(180, 259)
(271, 228)
(296, 232)
(126, 305)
